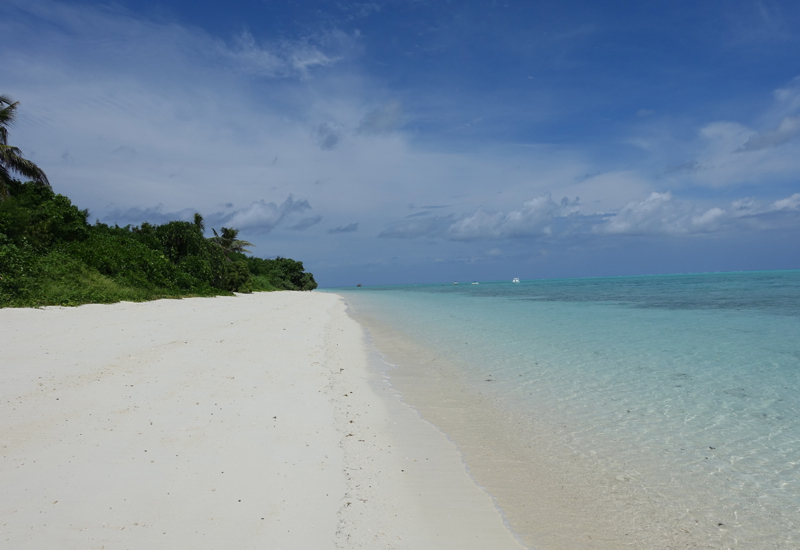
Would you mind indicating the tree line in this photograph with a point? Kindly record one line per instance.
(51, 255)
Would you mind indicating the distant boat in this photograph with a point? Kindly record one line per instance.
(455, 283)
(515, 280)
(474, 283)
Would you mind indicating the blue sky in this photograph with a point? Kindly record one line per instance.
(405, 141)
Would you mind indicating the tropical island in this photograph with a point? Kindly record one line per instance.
(51, 255)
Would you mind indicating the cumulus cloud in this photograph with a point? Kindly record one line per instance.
(542, 218)
(661, 214)
(534, 219)
(640, 214)
(351, 228)
(263, 217)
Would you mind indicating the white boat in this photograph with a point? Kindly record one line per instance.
(455, 283)
(474, 283)
(515, 280)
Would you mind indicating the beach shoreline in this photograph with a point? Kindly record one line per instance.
(554, 493)
(547, 494)
(220, 422)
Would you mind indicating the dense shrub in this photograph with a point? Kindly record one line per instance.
(125, 260)
(281, 273)
(35, 216)
(174, 254)
(15, 269)
(49, 254)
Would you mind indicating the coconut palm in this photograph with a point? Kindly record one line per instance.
(11, 159)
(228, 241)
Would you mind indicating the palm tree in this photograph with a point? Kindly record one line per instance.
(198, 221)
(228, 241)
(11, 159)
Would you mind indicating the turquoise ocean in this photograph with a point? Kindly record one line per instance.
(680, 393)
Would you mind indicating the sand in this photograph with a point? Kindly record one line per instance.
(257, 421)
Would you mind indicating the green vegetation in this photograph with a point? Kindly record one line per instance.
(227, 241)
(279, 274)
(50, 255)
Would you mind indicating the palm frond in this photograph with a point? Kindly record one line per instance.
(239, 246)
(12, 161)
(228, 241)
(7, 116)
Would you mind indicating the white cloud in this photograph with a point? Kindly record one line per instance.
(653, 214)
(263, 217)
(787, 130)
(533, 219)
(730, 154)
(659, 213)
(542, 218)
(708, 218)
(724, 137)
(789, 203)
(763, 151)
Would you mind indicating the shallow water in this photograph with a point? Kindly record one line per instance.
(685, 387)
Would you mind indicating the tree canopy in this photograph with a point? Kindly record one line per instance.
(227, 241)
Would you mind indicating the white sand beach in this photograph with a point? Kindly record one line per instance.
(254, 421)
